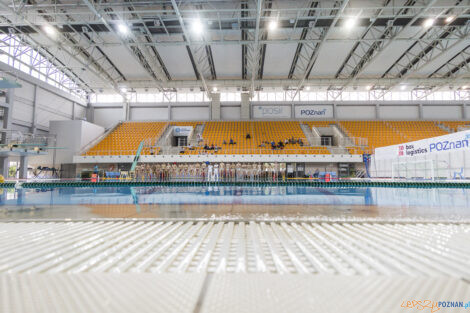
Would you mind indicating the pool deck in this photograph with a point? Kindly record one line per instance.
(148, 265)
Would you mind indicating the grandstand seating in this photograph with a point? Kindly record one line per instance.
(261, 133)
(454, 125)
(385, 133)
(126, 137)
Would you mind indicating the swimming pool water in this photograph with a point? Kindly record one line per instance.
(235, 201)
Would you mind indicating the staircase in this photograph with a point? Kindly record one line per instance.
(163, 140)
(443, 127)
(312, 139)
(199, 129)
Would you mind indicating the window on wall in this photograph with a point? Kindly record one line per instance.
(22, 57)
(274, 96)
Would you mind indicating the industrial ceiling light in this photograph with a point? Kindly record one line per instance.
(123, 29)
(123, 89)
(307, 88)
(50, 31)
(197, 27)
(428, 23)
(214, 89)
(272, 25)
(403, 87)
(368, 87)
(450, 19)
(350, 23)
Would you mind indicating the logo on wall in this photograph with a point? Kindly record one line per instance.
(401, 150)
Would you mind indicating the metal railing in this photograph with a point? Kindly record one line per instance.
(326, 150)
(18, 138)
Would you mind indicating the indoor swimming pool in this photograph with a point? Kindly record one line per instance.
(235, 202)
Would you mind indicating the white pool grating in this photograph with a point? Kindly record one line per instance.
(252, 247)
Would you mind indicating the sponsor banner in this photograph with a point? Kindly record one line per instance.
(263, 111)
(182, 131)
(447, 143)
(314, 111)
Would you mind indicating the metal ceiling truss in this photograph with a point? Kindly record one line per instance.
(151, 11)
(309, 52)
(421, 52)
(66, 53)
(42, 60)
(140, 53)
(303, 36)
(377, 48)
(148, 37)
(361, 53)
(192, 49)
(202, 55)
(253, 49)
(456, 65)
(93, 54)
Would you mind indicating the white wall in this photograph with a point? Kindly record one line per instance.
(355, 112)
(442, 113)
(190, 113)
(399, 112)
(230, 112)
(107, 117)
(51, 102)
(148, 114)
(71, 137)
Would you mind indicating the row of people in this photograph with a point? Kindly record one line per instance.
(211, 172)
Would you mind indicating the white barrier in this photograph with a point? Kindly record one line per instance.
(443, 157)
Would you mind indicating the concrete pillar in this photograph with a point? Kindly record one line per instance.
(4, 166)
(73, 111)
(377, 111)
(420, 111)
(169, 111)
(7, 113)
(215, 106)
(464, 111)
(23, 167)
(245, 109)
(90, 113)
(34, 120)
(126, 111)
(335, 114)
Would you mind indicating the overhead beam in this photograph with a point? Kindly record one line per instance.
(314, 55)
(188, 40)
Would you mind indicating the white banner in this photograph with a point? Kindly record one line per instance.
(182, 131)
(264, 111)
(447, 143)
(314, 111)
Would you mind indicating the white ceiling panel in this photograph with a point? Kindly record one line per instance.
(176, 60)
(382, 62)
(278, 60)
(227, 60)
(330, 58)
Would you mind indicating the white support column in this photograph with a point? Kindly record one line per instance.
(215, 106)
(125, 111)
(34, 120)
(4, 166)
(23, 167)
(420, 111)
(169, 111)
(377, 111)
(73, 110)
(335, 108)
(90, 113)
(464, 111)
(245, 107)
